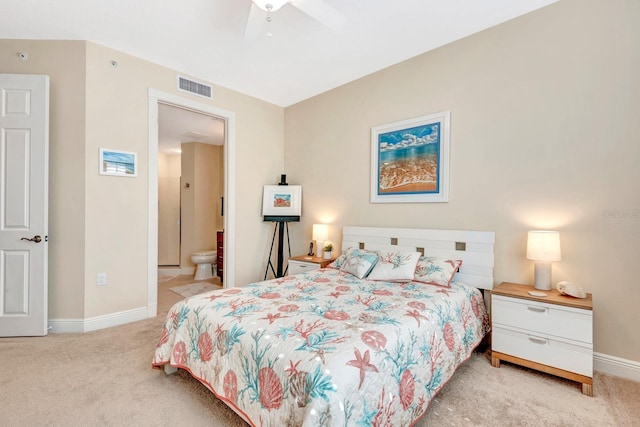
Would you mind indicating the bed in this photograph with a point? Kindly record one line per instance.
(327, 348)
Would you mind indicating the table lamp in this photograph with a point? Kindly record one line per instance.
(543, 247)
(320, 235)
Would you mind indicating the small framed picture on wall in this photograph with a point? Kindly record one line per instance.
(118, 163)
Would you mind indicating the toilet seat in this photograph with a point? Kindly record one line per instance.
(204, 253)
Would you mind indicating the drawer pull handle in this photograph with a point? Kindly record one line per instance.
(537, 309)
(538, 340)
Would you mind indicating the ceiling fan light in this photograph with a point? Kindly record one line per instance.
(270, 5)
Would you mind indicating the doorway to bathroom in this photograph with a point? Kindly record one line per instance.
(157, 97)
(190, 185)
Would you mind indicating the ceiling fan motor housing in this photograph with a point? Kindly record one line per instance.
(270, 5)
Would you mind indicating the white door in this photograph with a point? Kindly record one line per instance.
(24, 160)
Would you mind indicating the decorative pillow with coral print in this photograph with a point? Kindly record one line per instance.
(436, 271)
(337, 263)
(359, 263)
(393, 266)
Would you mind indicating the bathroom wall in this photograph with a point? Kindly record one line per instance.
(202, 170)
(169, 166)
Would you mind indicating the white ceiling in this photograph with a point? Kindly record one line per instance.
(302, 58)
(177, 125)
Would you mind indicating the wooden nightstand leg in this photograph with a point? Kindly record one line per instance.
(587, 389)
(495, 362)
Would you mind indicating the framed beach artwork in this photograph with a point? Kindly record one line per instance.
(118, 163)
(282, 202)
(410, 160)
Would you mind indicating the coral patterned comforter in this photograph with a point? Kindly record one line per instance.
(325, 348)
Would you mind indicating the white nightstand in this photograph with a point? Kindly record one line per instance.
(303, 263)
(553, 334)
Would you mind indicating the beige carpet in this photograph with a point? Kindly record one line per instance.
(104, 378)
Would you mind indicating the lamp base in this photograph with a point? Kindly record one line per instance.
(542, 275)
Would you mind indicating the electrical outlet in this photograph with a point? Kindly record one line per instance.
(102, 279)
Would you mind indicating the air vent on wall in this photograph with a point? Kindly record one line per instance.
(196, 88)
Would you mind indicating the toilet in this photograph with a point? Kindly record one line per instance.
(204, 264)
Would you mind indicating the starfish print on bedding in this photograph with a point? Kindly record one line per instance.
(284, 332)
(293, 368)
(219, 328)
(273, 317)
(362, 362)
(416, 315)
(320, 353)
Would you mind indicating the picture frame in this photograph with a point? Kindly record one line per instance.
(410, 160)
(118, 163)
(282, 202)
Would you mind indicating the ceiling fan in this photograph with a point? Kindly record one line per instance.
(261, 10)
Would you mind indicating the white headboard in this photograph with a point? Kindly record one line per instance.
(474, 248)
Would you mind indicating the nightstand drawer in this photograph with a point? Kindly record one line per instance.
(572, 356)
(297, 267)
(543, 318)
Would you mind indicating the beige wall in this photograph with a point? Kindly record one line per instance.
(169, 209)
(99, 223)
(544, 134)
(197, 217)
(117, 117)
(169, 165)
(201, 168)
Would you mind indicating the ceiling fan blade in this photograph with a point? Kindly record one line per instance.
(255, 22)
(321, 12)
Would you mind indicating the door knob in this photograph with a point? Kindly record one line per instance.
(35, 238)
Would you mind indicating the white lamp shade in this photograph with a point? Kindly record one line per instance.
(543, 246)
(320, 232)
(274, 4)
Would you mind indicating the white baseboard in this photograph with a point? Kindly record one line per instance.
(169, 271)
(66, 326)
(174, 271)
(616, 366)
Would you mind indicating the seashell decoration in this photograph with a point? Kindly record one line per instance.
(205, 347)
(407, 389)
(230, 385)
(300, 388)
(571, 289)
(271, 392)
(221, 342)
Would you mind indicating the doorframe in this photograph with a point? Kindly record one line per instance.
(155, 97)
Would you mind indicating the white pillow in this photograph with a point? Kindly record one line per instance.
(359, 263)
(395, 266)
(436, 271)
(337, 263)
